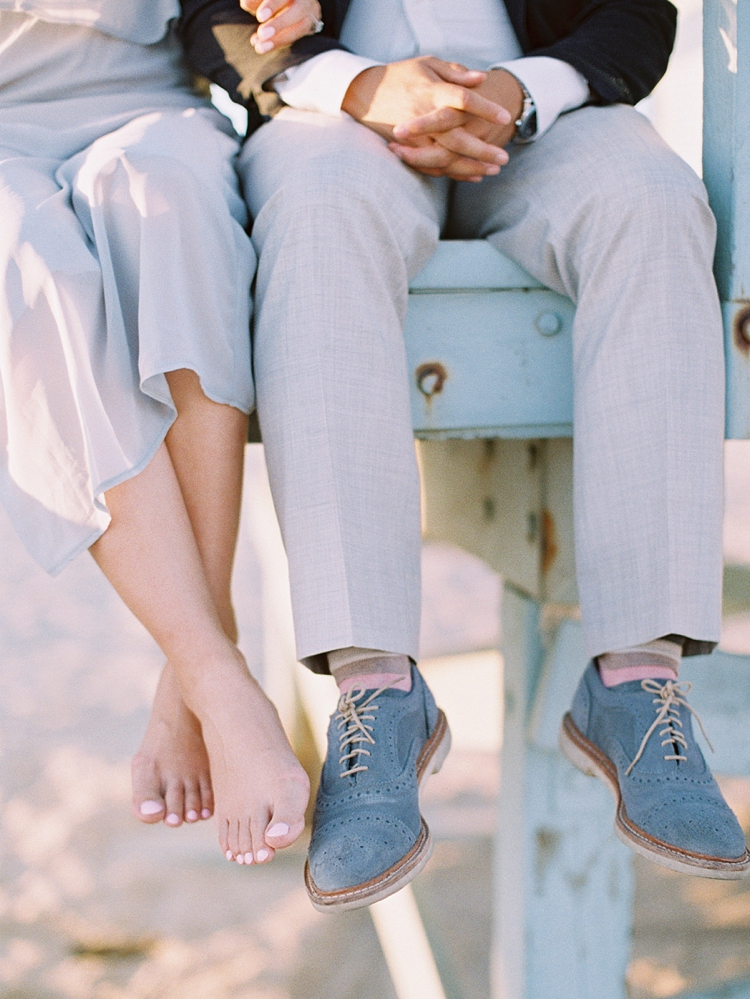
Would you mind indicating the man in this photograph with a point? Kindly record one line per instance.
(376, 132)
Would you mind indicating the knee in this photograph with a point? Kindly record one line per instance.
(660, 200)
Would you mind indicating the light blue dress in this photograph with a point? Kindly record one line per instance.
(123, 255)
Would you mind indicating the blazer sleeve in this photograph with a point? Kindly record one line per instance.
(215, 35)
(622, 47)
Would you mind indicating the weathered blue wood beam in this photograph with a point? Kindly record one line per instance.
(726, 171)
(732, 990)
(489, 349)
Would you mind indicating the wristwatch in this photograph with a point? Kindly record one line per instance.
(526, 123)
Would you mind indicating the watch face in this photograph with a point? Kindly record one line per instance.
(527, 126)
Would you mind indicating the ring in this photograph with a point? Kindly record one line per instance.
(317, 26)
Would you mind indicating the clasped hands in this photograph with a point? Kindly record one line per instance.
(439, 118)
(281, 22)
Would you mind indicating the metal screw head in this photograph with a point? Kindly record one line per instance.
(548, 323)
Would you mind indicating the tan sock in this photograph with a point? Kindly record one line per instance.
(369, 668)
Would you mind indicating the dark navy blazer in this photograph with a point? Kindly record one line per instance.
(621, 46)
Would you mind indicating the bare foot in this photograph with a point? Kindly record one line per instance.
(171, 776)
(261, 790)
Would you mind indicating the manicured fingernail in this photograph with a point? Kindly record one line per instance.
(266, 31)
(263, 855)
(249, 858)
(280, 829)
(151, 807)
(229, 855)
(491, 171)
(206, 813)
(192, 815)
(172, 819)
(263, 13)
(262, 47)
(240, 858)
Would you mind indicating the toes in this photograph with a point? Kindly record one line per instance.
(247, 846)
(263, 852)
(207, 798)
(233, 840)
(175, 802)
(148, 801)
(193, 803)
(223, 830)
(288, 819)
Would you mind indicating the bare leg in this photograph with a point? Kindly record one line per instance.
(150, 555)
(171, 779)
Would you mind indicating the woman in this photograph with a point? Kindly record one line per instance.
(126, 381)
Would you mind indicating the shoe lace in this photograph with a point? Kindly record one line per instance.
(670, 697)
(353, 715)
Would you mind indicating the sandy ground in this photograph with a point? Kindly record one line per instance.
(95, 906)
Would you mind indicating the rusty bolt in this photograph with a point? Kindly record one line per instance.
(549, 323)
(431, 378)
(742, 329)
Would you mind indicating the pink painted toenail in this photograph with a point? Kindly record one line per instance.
(206, 813)
(151, 808)
(229, 855)
(172, 819)
(240, 858)
(280, 829)
(192, 815)
(263, 855)
(249, 858)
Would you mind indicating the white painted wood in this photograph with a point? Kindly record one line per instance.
(260, 525)
(405, 947)
(563, 882)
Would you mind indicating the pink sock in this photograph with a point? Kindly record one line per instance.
(369, 669)
(658, 659)
(613, 677)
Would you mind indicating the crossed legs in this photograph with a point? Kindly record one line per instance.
(168, 554)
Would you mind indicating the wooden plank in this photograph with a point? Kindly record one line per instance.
(485, 496)
(563, 883)
(510, 503)
(721, 696)
(473, 263)
(490, 364)
(726, 171)
(732, 990)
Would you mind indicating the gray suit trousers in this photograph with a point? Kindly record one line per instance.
(598, 209)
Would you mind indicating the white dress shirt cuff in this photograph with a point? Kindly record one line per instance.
(554, 85)
(321, 83)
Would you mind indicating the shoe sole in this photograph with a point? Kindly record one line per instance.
(589, 759)
(401, 873)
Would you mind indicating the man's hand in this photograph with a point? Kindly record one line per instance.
(281, 21)
(416, 89)
(457, 144)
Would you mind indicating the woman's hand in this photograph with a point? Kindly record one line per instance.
(282, 22)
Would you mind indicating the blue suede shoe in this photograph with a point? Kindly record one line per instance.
(638, 738)
(368, 837)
